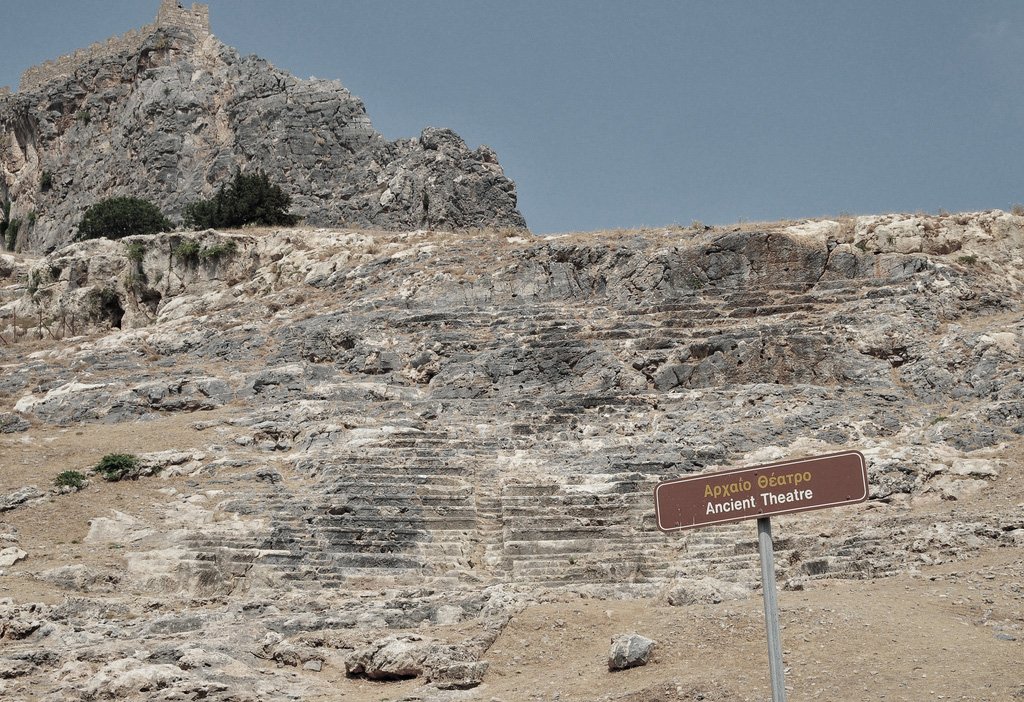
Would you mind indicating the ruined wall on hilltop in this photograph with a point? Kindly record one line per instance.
(171, 15)
(195, 19)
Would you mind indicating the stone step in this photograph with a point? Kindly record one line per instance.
(400, 526)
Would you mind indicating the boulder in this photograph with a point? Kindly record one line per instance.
(453, 667)
(404, 656)
(392, 658)
(629, 651)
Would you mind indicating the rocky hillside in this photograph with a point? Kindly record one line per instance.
(371, 455)
(171, 120)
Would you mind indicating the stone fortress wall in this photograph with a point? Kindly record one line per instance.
(171, 15)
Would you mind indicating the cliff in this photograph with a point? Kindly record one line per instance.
(431, 455)
(168, 113)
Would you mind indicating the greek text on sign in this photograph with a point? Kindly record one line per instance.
(762, 491)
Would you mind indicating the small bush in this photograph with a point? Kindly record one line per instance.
(118, 217)
(187, 250)
(118, 466)
(248, 199)
(71, 479)
(84, 116)
(970, 259)
(46, 182)
(215, 252)
(1018, 210)
(135, 251)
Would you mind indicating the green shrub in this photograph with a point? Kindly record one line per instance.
(202, 214)
(970, 259)
(135, 251)
(118, 217)
(187, 250)
(46, 182)
(71, 479)
(248, 199)
(84, 116)
(118, 466)
(215, 252)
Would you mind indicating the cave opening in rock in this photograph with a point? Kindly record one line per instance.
(111, 309)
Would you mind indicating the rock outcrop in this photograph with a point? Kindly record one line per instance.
(169, 116)
(389, 443)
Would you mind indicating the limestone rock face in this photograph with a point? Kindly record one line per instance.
(381, 451)
(171, 120)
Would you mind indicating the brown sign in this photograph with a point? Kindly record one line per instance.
(748, 493)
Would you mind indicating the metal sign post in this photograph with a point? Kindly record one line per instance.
(771, 608)
(799, 485)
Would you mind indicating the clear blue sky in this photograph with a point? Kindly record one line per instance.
(615, 114)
